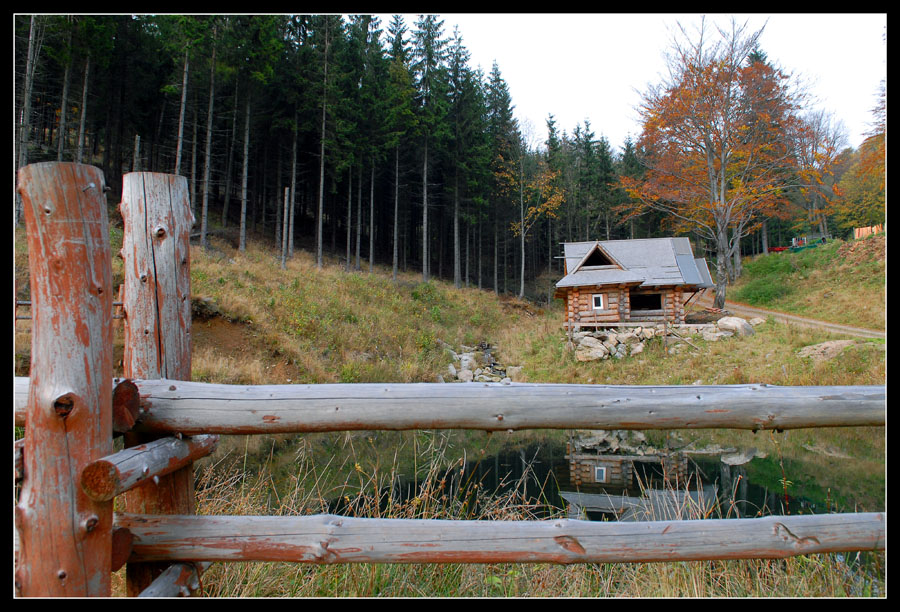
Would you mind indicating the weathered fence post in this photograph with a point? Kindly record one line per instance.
(65, 538)
(156, 301)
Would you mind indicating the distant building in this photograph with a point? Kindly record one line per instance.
(629, 281)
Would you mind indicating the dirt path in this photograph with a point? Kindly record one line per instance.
(706, 300)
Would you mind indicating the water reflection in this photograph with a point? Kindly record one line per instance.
(540, 477)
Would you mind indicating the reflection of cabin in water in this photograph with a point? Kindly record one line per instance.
(650, 505)
(629, 486)
(629, 281)
(598, 470)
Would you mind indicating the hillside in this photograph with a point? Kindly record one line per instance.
(839, 282)
(258, 324)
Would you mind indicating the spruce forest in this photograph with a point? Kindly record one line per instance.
(379, 143)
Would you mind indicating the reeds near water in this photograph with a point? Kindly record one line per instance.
(444, 491)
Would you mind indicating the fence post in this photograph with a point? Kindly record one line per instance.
(156, 300)
(65, 538)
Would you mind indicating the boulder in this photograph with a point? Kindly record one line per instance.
(583, 353)
(736, 325)
(515, 373)
(467, 361)
(590, 342)
(825, 350)
(465, 375)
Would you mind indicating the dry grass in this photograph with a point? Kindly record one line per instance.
(365, 492)
(841, 282)
(329, 325)
(307, 325)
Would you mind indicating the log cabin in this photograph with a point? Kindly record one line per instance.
(621, 282)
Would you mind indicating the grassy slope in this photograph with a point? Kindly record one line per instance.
(306, 325)
(840, 282)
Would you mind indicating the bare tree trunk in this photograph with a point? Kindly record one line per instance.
(468, 254)
(496, 255)
(293, 190)
(279, 229)
(457, 274)
(243, 238)
(359, 218)
(63, 111)
(230, 164)
(322, 160)
(136, 157)
(207, 162)
(180, 144)
(349, 214)
(522, 229)
(25, 120)
(194, 161)
(79, 150)
(284, 227)
(396, 208)
(372, 218)
(425, 214)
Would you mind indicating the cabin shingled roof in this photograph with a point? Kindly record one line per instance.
(647, 262)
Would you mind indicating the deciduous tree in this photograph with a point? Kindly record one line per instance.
(714, 136)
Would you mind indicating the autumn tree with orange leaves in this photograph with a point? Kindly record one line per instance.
(716, 141)
(863, 185)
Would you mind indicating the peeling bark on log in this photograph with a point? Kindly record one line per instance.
(110, 476)
(328, 539)
(179, 580)
(234, 409)
(195, 408)
(156, 297)
(157, 220)
(65, 538)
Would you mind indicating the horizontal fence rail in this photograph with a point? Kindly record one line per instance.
(339, 539)
(69, 538)
(169, 406)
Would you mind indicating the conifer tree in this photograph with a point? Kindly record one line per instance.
(429, 69)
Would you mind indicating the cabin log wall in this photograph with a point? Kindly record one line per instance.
(579, 308)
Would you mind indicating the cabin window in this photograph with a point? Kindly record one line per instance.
(597, 301)
(646, 301)
(600, 474)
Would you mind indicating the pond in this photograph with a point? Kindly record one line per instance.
(537, 474)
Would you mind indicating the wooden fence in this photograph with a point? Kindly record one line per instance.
(70, 539)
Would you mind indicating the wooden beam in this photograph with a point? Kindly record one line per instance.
(157, 220)
(110, 476)
(65, 538)
(325, 539)
(126, 404)
(194, 408)
(179, 580)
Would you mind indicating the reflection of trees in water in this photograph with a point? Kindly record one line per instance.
(532, 478)
(526, 477)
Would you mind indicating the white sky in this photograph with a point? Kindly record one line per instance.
(595, 66)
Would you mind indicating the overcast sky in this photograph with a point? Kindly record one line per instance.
(595, 66)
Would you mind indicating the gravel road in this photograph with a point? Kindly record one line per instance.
(706, 300)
